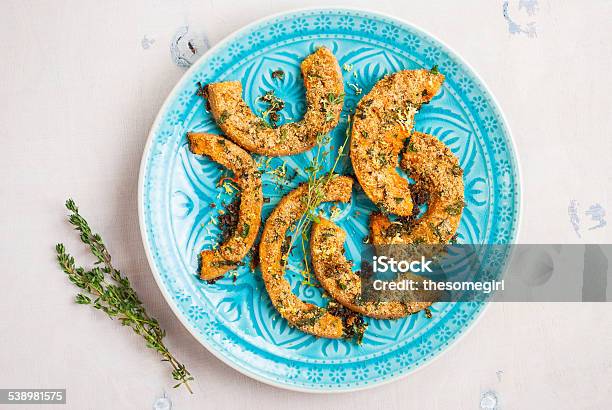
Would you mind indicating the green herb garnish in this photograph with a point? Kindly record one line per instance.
(456, 170)
(105, 289)
(454, 209)
(283, 135)
(280, 74)
(314, 197)
(245, 230)
(275, 104)
(310, 319)
(329, 102)
(224, 116)
(335, 99)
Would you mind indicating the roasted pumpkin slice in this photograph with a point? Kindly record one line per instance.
(382, 123)
(437, 173)
(306, 317)
(214, 263)
(324, 98)
(334, 272)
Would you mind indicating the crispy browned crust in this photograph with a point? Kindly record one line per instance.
(304, 316)
(383, 120)
(215, 263)
(324, 97)
(434, 167)
(334, 272)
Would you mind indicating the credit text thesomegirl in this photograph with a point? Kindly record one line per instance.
(431, 285)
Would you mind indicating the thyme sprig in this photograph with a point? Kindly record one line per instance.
(316, 183)
(106, 289)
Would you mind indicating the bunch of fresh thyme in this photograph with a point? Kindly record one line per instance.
(107, 290)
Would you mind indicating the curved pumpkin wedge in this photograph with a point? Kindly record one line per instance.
(324, 98)
(304, 316)
(334, 272)
(436, 171)
(382, 123)
(215, 263)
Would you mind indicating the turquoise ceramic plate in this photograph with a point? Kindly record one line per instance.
(235, 319)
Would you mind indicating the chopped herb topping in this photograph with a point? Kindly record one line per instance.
(280, 74)
(245, 230)
(224, 116)
(328, 103)
(229, 220)
(383, 208)
(310, 319)
(456, 171)
(283, 135)
(335, 99)
(353, 324)
(261, 124)
(275, 104)
(454, 209)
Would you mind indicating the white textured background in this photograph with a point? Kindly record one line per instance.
(78, 93)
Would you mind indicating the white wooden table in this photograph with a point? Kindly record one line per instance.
(81, 83)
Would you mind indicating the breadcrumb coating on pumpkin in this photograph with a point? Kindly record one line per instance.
(324, 100)
(215, 263)
(434, 168)
(335, 274)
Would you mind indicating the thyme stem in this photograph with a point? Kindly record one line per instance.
(315, 194)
